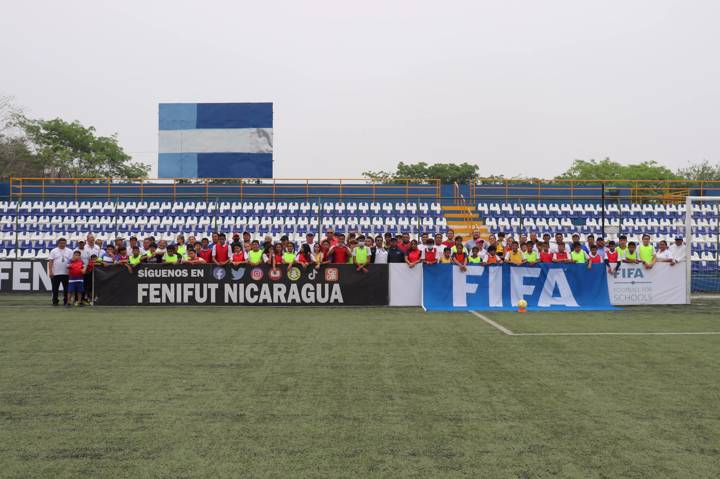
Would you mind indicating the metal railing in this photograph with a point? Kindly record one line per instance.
(636, 191)
(229, 188)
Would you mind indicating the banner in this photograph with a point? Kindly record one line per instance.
(24, 276)
(544, 287)
(405, 284)
(662, 284)
(162, 285)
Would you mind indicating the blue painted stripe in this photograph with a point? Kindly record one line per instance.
(234, 115)
(177, 165)
(234, 165)
(178, 116)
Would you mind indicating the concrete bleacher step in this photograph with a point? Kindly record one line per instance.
(464, 219)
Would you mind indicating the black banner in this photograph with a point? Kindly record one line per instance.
(24, 276)
(206, 284)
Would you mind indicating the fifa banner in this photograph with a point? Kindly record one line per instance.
(163, 285)
(24, 276)
(544, 287)
(662, 284)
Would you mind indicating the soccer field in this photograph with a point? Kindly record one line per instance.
(351, 392)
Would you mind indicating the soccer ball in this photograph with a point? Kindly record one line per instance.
(522, 304)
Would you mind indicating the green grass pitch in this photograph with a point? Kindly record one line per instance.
(350, 392)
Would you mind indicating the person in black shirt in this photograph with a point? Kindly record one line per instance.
(395, 254)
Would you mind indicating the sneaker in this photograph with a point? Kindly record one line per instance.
(67, 305)
(86, 302)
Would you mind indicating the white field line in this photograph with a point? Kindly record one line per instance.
(493, 324)
(507, 332)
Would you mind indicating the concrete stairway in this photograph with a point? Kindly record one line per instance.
(463, 220)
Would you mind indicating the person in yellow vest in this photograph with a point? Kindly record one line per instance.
(475, 258)
(622, 247)
(646, 252)
(171, 256)
(578, 255)
(135, 258)
(180, 246)
(446, 257)
(256, 256)
(289, 255)
(360, 255)
(530, 254)
(515, 256)
(631, 255)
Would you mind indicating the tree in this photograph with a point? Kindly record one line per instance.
(703, 171)
(612, 170)
(71, 150)
(447, 173)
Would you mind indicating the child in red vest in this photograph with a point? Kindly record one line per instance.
(76, 281)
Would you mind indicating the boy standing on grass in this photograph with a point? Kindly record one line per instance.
(76, 281)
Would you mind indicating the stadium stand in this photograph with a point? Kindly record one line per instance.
(30, 228)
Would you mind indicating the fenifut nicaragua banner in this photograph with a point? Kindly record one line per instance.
(24, 276)
(162, 285)
(543, 286)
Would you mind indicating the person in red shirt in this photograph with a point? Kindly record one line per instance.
(593, 257)
(238, 256)
(612, 258)
(192, 257)
(276, 255)
(561, 256)
(431, 253)
(205, 252)
(304, 257)
(545, 255)
(340, 253)
(76, 280)
(325, 247)
(413, 255)
(404, 243)
(331, 238)
(221, 251)
(450, 241)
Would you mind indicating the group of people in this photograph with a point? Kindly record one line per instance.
(72, 268)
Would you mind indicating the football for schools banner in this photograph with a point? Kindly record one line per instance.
(544, 287)
(662, 284)
(162, 285)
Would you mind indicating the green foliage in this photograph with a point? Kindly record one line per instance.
(71, 150)
(447, 173)
(56, 148)
(612, 170)
(703, 171)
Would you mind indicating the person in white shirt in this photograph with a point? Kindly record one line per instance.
(89, 249)
(58, 270)
(663, 255)
(378, 252)
(559, 238)
(678, 251)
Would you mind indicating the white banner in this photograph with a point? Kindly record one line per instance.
(405, 285)
(635, 285)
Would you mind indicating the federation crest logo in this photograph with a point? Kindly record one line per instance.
(294, 274)
(237, 274)
(219, 273)
(332, 274)
(275, 274)
(257, 274)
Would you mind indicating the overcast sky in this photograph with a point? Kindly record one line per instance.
(518, 87)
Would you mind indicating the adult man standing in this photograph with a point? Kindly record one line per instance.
(678, 252)
(59, 257)
(474, 241)
(310, 240)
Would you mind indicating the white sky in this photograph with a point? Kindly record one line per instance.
(520, 87)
